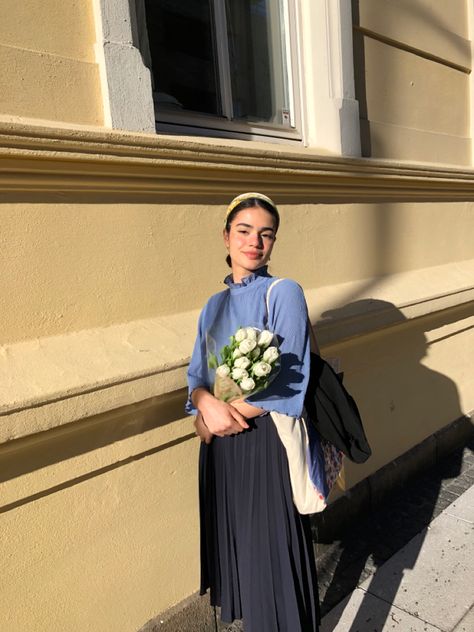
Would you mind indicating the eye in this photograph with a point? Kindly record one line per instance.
(244, 232)
(267, 235)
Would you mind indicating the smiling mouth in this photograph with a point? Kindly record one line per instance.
(253, 255)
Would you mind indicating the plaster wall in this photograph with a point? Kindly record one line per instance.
(409, 61)
(99, 517)
(100, 263)
(101, 287)
(99, 511)
(47, 62)
(411, 380)
(99, 522)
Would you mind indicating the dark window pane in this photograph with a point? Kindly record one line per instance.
(257, 58)
(182, 49)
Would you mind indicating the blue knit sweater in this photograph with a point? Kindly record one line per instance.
(244, 305)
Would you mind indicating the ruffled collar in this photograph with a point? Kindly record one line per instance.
(260, 272)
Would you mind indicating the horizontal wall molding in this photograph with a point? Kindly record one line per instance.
(418, 51)
(358, 308)
(36, 159)
(50, 382)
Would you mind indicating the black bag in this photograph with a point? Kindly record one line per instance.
(334, 413)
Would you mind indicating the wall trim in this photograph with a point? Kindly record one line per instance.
(51, 381)
(45, 159)
(331, 111)
(124, 77)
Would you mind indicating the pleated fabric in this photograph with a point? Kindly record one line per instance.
(256, 551)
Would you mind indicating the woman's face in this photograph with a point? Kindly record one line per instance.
(250, 241)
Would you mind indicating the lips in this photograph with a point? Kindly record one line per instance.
(253, 255)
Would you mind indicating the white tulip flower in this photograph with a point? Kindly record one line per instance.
(247, 384)
(239, 374)
(251, 333)
(261, 369)
(247, 345)
(265, 338)
(242, 363)
(240, 334)
(270, 355)
(236, 353)
(223, 370)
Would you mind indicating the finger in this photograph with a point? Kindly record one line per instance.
(235, 429)
(239, 418)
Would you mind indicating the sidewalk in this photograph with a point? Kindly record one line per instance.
(427, 585)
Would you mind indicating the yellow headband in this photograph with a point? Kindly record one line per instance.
(246, 196)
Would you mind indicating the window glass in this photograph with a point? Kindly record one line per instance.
(181, 40)
(257, 59)
(225, 58)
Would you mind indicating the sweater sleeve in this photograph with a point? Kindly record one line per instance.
(288, 319)
(197, 370)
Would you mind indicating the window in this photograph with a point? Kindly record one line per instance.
(228, 68)
(221, 65)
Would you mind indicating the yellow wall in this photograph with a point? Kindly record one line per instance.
(47, 62)
(105, 263)
(411, 58)
(110, 244)
(99, 518)
(409, 380)
(99, 512)
(99, 522)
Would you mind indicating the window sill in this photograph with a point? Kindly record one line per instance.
(93, 160)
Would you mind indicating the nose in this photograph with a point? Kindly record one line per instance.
(256, 240)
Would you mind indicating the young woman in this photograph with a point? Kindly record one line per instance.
(256, 550)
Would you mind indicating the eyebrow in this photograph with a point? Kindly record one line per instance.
(250, 226)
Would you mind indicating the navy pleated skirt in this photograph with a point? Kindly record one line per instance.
(256, 550)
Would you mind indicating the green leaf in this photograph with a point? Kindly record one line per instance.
(212, 361)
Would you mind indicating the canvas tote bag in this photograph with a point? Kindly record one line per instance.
(314, 464)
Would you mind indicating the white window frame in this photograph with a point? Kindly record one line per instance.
(326, 113)
(189, 122)
(331, 111)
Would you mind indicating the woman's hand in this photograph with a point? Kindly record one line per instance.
(220, 418)
(202, 430)
(247, 410)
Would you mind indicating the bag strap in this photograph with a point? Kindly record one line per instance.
(312, 337)
(270, 288)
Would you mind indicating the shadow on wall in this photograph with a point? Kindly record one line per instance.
(30, 454)
(399, 398)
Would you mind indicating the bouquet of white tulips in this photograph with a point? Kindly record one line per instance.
(246, 365)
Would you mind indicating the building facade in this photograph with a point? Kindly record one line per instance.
(126, 126)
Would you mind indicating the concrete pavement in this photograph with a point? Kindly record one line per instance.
(427, 586)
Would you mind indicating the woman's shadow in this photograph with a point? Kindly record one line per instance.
(401, 400)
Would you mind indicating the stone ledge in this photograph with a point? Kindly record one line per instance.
(352, 309)
(94, 160)
(53, 381)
